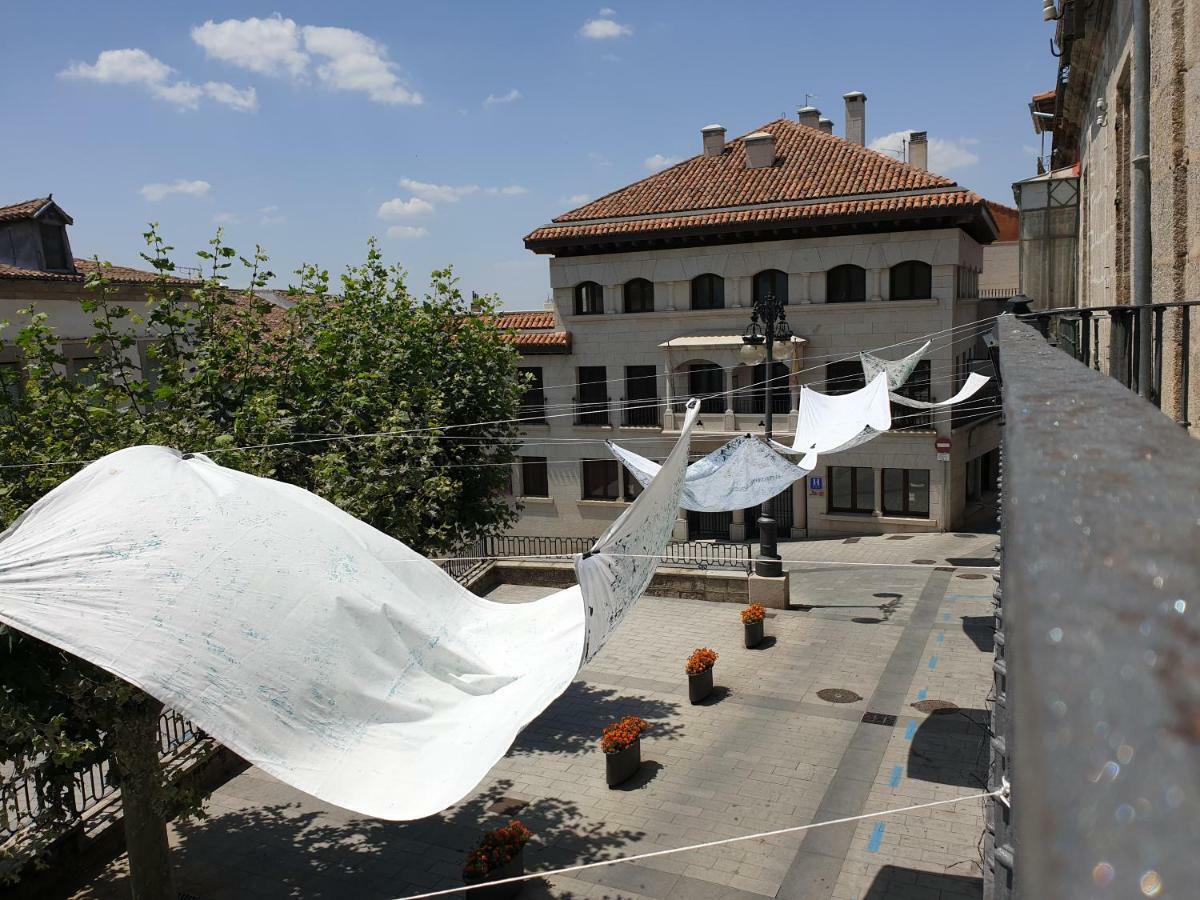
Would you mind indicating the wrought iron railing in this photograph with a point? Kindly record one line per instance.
(1109, 339)
(592, 411)
(1097, 692)
(23, 798)
(533, 407)
(640, 413)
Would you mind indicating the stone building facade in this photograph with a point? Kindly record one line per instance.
(652, 289)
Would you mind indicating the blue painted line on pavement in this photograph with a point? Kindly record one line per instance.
(922, 693)
(968, 596)
(876, 838)
(946, 617)
(941, 637)
(910, 730)
(897, 771)
(933, 662)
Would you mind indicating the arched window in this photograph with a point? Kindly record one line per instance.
(846, 284)
(771, 281)
(708, 292)
(589, 299)
(706, 380)
(911, 280)
(639, 295)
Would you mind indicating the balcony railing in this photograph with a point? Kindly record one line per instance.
(592, 411)
(641, 413)
(533, 407)
(1096, 722)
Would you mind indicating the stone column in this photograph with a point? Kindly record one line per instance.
(875, 280)
(737, 528)
(612, 299)
(877, 476)
(668, 417)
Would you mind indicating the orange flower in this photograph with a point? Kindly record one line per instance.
(755, 612)
(497, 848)
(700, 660)
(619, 735)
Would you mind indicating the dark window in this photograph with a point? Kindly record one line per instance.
(916, 388)
(912, 280)
(707, 381)
(639, 296)
(708, 292)
(843, 377)
(771, 282)
(851, 489)
(600, 479)
(754, 398)
(632, 486)
(641, 396)
(591, 400)
(535, 480)
(84, 369)
(533, 401)
(54, 247)
(846, 284)
(906, 492)
(589, 299)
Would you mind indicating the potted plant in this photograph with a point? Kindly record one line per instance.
(752, 619)
(622, 745)
(499, 855)
(699, 671)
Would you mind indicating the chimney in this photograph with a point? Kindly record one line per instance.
(856, 117)
(760, 150)
(809, 115)
(918, 149)
(826, 125)
(714, 139)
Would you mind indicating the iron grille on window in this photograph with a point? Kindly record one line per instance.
(641, 397)
(591, 400)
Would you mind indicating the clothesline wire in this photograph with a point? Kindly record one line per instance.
(403, 433)
(793, 829)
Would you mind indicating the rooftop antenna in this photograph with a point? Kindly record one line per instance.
(808, 98)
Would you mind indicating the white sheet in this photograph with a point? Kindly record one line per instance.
(970, 388)
(898, 371)
(323, 651)
(737, 475)
(827, 423)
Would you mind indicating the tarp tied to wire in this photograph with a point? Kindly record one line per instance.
(323, 651)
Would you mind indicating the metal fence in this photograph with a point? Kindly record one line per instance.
(467, 563)
(23, 798)
(1097, 691)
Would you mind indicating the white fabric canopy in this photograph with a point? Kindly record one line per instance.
(898, 371)
(321, 650)
(827, 423)
(970, 387)
(737, 475)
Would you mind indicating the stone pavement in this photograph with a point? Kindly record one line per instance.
(765, 752)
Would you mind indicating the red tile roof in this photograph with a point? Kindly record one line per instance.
(526, 320)
(1007, 221)
(816, 176)
(22, 210)
(83, 267)
(536, 342)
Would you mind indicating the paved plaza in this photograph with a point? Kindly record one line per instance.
(765, 752)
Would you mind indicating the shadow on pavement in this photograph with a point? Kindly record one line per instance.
(893, 882)
(573, 722)
(646, 774)
(982, 632)
(950, 747)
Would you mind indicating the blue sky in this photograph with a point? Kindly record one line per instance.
(450, 130)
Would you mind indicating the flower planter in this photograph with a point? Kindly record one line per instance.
(754, 633)
(700, 685)
(622, 765)
(511, 869)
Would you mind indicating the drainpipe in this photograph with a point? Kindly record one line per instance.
(1140, 198)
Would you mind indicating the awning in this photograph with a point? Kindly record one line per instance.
(712, 341)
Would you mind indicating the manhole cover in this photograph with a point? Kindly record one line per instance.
(865, 620)
(838, 695)
(508, 806)
(924, 562)
(874, 718)
(934, 707)
(899, 537)
(851, 540)
(971, 576)
(887, 595)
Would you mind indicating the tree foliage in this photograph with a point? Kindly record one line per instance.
(397, 408)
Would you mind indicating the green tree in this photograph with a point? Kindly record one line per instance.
(397, 408)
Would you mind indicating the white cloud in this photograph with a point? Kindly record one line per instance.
(404, 209)
(267, 46)
(579, 199)
(438, 193)
(269, 215)
(408, 231)
(156, 192)
(511, 190)
(137, 67)
(355, 62)
(607, 13)
(944, 156)
(658, 161)
(604, 27)
(500, 99)
(226, 218)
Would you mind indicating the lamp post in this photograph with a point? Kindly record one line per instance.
(768, 324)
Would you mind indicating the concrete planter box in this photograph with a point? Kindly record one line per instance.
(700, 685)
(754, 633)
(622, 765)
(511, 869)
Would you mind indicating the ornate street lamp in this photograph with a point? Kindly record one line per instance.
(768, 325)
